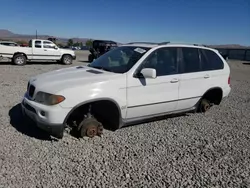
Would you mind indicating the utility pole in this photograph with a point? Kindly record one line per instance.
(36, 34)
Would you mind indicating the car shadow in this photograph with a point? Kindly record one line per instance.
(25, 126)
(83, 61)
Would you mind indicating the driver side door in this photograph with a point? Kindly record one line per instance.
(50, 52)
(148, 97)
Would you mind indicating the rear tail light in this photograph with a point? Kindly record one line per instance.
(228, 80)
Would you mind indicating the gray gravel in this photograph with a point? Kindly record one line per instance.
(196, 150)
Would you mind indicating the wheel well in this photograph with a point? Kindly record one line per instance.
(105, 111)
(67, 54)
(17, 53)
(214, 95)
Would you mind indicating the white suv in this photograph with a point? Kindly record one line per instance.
(130, 84)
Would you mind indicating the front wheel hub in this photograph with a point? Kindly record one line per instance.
(90, 127)
(91, 131)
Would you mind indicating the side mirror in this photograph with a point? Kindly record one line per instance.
(55, 47)
(148, 73)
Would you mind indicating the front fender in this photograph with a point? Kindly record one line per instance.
(76, 96)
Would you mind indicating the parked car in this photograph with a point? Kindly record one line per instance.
(130, 84)
(100, 47)
(8, 43)
(38, 50)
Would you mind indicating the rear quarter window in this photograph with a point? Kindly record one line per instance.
(210, 60)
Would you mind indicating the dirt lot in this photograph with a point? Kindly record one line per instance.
(210, 150)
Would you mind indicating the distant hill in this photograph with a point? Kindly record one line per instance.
(8, 35)
(236, 46)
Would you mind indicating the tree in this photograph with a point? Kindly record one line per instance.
(89, 43)
(70, 42)
(76, 44)
(60, 45)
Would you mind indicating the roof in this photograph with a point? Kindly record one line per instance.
(165, 44)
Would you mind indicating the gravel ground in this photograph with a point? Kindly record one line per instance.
(196, 150)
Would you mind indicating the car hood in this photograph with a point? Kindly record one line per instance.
(57, 80)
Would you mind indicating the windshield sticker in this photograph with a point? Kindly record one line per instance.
(140, 50)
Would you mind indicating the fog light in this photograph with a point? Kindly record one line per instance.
(42, 113)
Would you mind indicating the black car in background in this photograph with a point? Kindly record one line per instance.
(99, 47)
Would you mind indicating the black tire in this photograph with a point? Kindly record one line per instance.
(204, 105)
(67, 59)
(19, 59)
(90, 127)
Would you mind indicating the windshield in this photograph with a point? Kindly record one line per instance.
(119, 59)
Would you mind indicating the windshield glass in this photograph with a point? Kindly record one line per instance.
(119, 59)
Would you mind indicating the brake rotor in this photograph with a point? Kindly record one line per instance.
(91, 131)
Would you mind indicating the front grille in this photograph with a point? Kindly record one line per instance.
(31, 90)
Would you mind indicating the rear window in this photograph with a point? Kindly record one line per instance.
(210, 60)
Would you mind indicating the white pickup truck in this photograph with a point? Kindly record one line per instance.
(38, 50)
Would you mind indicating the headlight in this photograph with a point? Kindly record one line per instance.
(48, 99)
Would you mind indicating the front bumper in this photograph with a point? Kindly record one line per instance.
(45, 118)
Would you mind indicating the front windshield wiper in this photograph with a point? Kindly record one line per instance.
(102, 68)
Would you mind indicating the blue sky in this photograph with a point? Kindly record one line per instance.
(195, 21)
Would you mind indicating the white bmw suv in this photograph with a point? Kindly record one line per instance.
(130, 84)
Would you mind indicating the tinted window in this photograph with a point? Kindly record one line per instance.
(191, 61)
(210, 60)
(163, 60)
(38, 44)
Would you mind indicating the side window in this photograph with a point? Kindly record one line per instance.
(163, 60)
(191, 60)
(38, 44)
(210, 61)
(47, 44)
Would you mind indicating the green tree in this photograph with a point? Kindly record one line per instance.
(76, 44)
(60, 45)
(70, 42)
(89, 43)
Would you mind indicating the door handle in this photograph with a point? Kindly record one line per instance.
(174, 80)
(45, 50)
(206, 76)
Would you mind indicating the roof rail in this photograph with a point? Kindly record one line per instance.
(200, 45)
(141, 43)
(162, 43)
(185, 43)
(168, 42)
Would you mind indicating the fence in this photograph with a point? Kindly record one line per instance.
(235, 53)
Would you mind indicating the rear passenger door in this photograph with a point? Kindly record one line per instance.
(38, 52)
(193, 82)
(213, 66)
